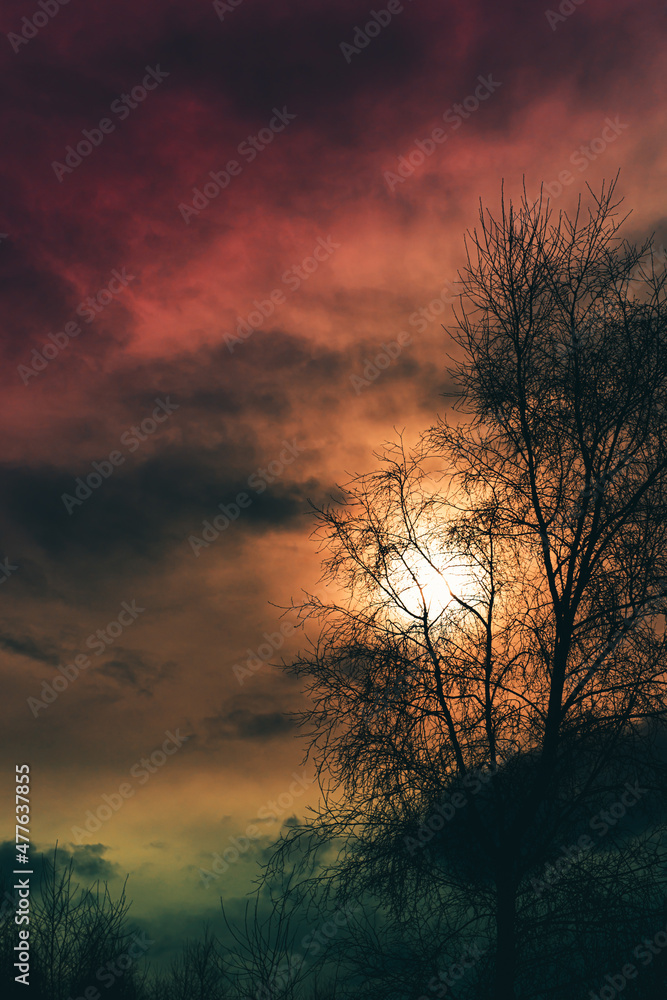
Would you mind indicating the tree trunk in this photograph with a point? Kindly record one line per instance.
(505, 936)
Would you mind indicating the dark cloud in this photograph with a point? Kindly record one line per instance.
(169, 485)
(137, 511)
(42, 650)
(276, 55)
(88, 862)
(132, 669)
(225, 78)
(244, 724)
(26, 279)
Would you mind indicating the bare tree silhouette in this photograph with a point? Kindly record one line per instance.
(198, 972)
(492, 677)
(487, 690)
(75, 933)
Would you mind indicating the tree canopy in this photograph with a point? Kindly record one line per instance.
(492, 676)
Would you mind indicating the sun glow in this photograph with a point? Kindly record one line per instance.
(421, 583)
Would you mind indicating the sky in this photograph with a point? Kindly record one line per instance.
(216, 219)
